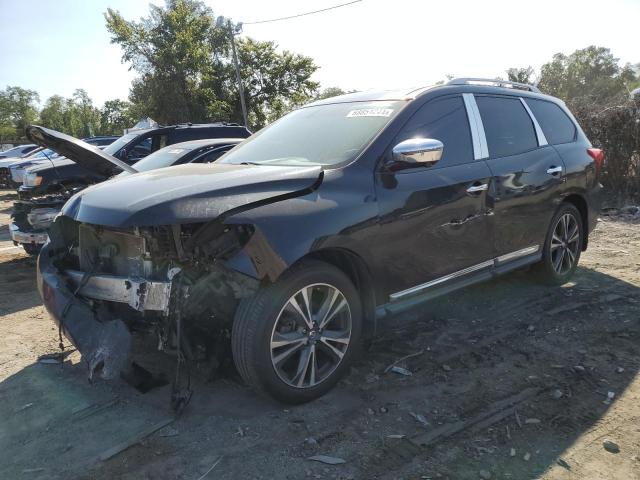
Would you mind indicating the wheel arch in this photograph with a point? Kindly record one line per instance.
(581, 204)
(354, 267)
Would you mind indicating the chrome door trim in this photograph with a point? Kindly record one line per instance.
(451, 276)
(542, 140)
(480, 266)
(478, 137)
(517, 254)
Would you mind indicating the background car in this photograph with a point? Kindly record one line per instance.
(63, 174)
(194, 151)
(45, 157)
(18, 151)
(31, 217)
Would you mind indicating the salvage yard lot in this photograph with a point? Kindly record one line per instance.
(508, 380)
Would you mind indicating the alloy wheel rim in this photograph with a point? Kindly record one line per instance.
(311, 335)
(565, 244)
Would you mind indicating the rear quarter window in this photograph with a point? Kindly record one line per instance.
(507, 126)
(556, 125)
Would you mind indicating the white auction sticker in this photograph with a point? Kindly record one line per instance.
(370, 112)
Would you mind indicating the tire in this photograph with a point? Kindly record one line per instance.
(561, 251)
(273, 347)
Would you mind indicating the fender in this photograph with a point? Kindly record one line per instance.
(334, 217)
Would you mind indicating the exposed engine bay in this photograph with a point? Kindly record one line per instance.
(105, 284)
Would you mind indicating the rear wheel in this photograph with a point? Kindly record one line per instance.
(295, 338)
(562, 247)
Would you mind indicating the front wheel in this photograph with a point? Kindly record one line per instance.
(295, 339)
(562, 246)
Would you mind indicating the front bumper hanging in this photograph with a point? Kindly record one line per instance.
(105, 345)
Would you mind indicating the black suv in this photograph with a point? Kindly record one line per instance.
(299, 240)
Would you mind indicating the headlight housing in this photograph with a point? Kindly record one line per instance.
(32, 179)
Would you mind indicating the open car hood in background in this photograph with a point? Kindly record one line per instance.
(85, 155)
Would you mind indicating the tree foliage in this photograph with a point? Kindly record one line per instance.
(116, 116)
(18, 108)
(596, 88)
(521, 75)
(591, 75)
(186, 72)
(76, 116)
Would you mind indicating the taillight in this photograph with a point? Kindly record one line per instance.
(598, 158)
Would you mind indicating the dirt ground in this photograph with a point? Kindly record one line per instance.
(509, 380)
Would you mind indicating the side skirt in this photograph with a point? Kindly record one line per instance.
(501, 266)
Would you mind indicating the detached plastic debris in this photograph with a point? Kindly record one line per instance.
(401, 371)
(328, 460)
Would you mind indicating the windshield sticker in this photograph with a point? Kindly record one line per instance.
(370, 112)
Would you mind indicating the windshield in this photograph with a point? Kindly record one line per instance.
(164, 157)
(113, 148)
(321, 135)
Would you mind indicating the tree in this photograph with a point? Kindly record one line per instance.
(274, 83)
(52, 114)
(186, 73)
(85, 117)
(18, 108)
(331, 92)
(521, 75)
(76, 116)
(115, 117)
(588, 76)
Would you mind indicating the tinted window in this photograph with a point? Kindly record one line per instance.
(213, 155)
(113, 148)
(507, 126)
(444, 119)
(555, 124)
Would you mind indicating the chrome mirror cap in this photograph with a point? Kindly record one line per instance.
(425, 151)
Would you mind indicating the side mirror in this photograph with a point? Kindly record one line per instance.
(422, 151)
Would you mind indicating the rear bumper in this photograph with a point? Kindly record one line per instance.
(32, 238)
(105, 345)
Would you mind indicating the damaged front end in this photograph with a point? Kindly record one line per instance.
(102, 285)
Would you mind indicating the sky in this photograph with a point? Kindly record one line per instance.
(54, 47)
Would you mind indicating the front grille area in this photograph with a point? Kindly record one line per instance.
(113, 252)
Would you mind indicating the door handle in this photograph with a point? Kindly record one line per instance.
(554, 170)
(478, 187)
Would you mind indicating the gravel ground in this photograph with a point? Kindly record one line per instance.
(509, 379)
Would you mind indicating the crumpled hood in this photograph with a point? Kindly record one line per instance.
(188, 193)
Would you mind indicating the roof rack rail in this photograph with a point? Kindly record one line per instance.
(494, 82)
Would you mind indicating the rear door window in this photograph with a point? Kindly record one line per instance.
(443, 119)
(507, 126)
(556, 125)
